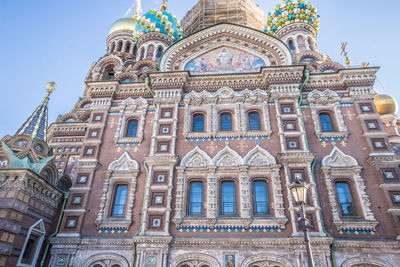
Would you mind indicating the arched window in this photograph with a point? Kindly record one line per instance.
(228, 198)
(260, 191)
(118, 207)
(119, 47)
(27, 256)
(301, 43)
(198, 123)
(48, 176)
(326, 122)
(291, 46)
(112, 48)
(196, 198)
(345, 199)
(159, 51)
(254, 121)
(128, 47)
(131, 130)
(141, 54)
(110, 71)
(150, 52)
(311, 44)
(225, 122)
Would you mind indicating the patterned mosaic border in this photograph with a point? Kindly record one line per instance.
(356, 232)
(227, 138)
(230, 230)
(113, 231)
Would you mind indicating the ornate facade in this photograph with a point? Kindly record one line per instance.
(182, 149)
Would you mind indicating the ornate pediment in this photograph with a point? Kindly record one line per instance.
(196, 158)
(337, 158)
(258, 156)
(227, 157)
(124, 163)
(325, 97)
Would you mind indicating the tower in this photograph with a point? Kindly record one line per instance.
(31, 191)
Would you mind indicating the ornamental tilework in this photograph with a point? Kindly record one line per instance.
(356, 232)
(228, 229)
(227, 138)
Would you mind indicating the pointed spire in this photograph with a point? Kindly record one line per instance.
(36, 125)
(163, 5)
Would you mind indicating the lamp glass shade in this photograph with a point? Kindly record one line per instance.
(299, 192)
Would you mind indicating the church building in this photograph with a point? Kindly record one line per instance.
(186, 141)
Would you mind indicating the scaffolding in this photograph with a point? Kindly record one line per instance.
(209, 12)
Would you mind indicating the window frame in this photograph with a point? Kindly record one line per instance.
(235, 203)
(257, 112)
(331, 121)
(114, 196)
(268, 191)
(193, 122)
(222, 113)
(188, 212)
(349, 186)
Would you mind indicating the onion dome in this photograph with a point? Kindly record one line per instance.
(160, 21)
(291, 11)
(124, 24)
(385, 104)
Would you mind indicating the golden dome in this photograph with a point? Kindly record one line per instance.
(124, 24)
(385, 104)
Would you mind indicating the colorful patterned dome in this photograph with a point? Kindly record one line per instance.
(291, 11)
(160, 21)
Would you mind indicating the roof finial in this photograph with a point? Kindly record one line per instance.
(138, 8)
(51, 86)
(163, 6)
(346, 54)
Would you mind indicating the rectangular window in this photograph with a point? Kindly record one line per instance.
(98, 117)
(345, 199)
(389, 174)
(71, 222)
(297, 175)
(366, 107)
(378, 143)
(82, 178)
(395, 196)
(166, 113)
(290, 125)
(121, 194)
(260, 191)
(228, 198)
(155, 222)
(160, 178)
(292, 143)
(165, 129)
(163, 147)
(158, 199)
(372, 124)
(287, 109)
(196, 198)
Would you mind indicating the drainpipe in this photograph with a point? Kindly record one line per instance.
(306, 80)
(57, 229)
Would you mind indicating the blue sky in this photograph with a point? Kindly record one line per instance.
(47, 40)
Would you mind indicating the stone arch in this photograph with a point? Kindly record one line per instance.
(195, 260)
(68, 116)
(258, 156)
(364, 261)
(98, 258)
(275, 49)
(144, 63)
(196, 158)
(225, 92)
(227, 157)
(111, 59)
(330, 67)
(266, 258)
(337, 158)
(124, 163)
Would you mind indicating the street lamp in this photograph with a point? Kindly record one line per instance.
(299, 192)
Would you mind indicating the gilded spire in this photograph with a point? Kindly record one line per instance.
(163, 5)
(36, 125)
